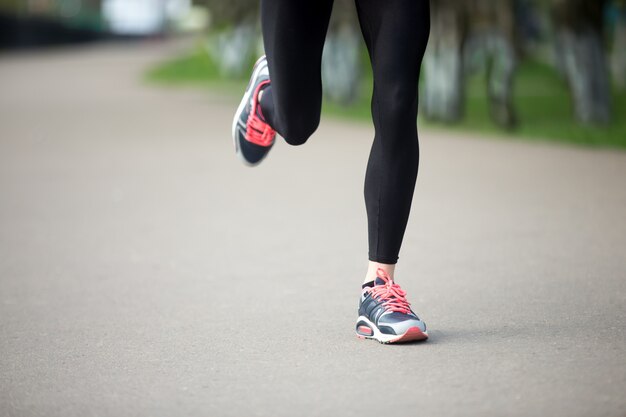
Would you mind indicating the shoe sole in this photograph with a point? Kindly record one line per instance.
(242, 105)
(412, 334)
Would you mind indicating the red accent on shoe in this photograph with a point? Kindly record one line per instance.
(413, 334)
(257, 131)
(365, 330)
(392, 294)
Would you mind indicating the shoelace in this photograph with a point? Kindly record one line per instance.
(392, 294)
(257, 131)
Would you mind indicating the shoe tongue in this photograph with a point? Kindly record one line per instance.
(259, 113)
(379, 281)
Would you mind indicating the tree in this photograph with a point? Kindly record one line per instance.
(442, 93)
(341, 63)
(580, 48)
(491, 40)
(619, 44)
(467, 36)
(234, 42)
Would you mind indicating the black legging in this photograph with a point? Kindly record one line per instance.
(396, 33)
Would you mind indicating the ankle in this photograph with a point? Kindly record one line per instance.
(372, 267)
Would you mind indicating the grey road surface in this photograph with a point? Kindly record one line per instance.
(145, 272)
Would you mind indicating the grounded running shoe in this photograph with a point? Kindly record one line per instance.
(253, 138)
(385, 314)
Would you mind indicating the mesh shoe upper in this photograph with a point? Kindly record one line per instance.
(253, 136)
(386, 306)
(257, 130)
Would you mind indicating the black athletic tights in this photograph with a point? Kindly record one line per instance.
(396, 33)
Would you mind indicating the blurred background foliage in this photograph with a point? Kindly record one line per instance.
(538, 69)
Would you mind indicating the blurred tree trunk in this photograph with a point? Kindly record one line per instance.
(491, 45)
(579, 42)
(469, 35)
(233, 48)
(233, 42)
(341, 64)
(619, 47)
(502, 66)
(442, 93)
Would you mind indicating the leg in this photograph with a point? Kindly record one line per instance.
(293, 35)
(396, 33)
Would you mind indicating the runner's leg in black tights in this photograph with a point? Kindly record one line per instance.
(293, 35)
(396, 34)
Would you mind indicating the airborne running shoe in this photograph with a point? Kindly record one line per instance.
(385, 314)
(252, 136)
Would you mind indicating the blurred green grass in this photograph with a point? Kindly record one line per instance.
(541, 97)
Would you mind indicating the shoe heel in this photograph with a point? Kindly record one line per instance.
(363, 330)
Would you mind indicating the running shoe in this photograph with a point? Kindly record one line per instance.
(385, 314)
(252, 136)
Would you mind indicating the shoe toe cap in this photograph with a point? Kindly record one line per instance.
(252, 153)
(400, 323)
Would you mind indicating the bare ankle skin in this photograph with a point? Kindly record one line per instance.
(372, 267)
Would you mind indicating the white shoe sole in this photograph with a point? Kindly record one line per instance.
(412, 334)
